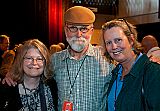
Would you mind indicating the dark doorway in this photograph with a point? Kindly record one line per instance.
(149, 29)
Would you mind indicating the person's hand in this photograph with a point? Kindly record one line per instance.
(8, 80)
(155, 59)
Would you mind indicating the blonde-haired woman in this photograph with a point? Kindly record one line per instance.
(34, 90)
(135, 83)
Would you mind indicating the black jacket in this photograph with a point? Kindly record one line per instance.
(141, 87)
(10, 97)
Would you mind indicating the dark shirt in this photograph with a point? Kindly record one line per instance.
(10, 98)
(143, 75)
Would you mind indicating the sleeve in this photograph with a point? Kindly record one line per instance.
(152, 87)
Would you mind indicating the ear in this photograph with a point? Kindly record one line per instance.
(65, 30)
(132, 39)
(92, 31)
(65, 27)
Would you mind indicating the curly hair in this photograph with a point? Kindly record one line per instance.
(127, 28)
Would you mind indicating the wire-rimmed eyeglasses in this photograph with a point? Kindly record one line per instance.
(125, 21)
(39, 60)
(83, 29)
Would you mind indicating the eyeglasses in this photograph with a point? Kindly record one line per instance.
(83, 29)
(39, 60)
(125, 21)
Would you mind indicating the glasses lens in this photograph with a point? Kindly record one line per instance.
(73, 29)
(39, 60)
(83, 29)
(30, 60)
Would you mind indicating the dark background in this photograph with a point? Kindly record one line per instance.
(149, 29)
(26, 19)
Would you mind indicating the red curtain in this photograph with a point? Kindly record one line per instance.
(55, 21)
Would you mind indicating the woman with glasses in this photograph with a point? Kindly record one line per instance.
(35, 91)
(135, 83)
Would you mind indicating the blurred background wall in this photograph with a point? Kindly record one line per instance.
(43, 19)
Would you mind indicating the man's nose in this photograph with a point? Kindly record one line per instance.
(79, 33)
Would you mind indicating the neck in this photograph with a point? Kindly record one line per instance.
(31, 83)
(127, 65)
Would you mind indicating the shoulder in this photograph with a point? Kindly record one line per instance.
(52, 85)
(5, 89)
(149, 65)
(99, 49)
(51, 82)
(151, 71)
(9, 53)
(54, 91)
(145, 63)
(155, 51)
(10, 98)
(59, 55)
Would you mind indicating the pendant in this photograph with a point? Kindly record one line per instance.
(67, 106)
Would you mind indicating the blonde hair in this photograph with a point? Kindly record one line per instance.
(55, 48)
(127, 28)
(2, 37)
(17, 67)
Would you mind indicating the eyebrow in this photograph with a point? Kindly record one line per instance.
(32, 56)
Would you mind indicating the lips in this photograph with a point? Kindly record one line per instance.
(117, 52)
(33, 67)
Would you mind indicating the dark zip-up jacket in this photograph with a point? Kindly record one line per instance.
(144, 75)
(10, 98)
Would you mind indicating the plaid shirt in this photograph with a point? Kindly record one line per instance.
(89, 87)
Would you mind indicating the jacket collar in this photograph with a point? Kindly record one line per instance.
(140, 64)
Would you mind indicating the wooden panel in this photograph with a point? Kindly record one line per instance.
(139, 11)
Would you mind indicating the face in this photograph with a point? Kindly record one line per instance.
(117, 44)
(33, 63)
(5, 45)
(78, 37)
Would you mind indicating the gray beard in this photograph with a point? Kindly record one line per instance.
(77, 48)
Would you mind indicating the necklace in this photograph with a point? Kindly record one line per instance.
(28, 93)
(28, 90)
(31, 90)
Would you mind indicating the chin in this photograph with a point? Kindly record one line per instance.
(118, 59)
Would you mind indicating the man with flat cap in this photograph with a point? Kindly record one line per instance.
(81, 71)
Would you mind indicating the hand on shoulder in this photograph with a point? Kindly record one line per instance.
(8, 80)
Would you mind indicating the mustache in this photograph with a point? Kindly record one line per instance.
(77, 38)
